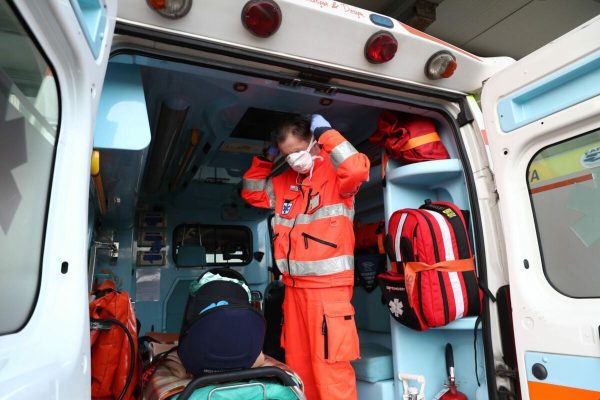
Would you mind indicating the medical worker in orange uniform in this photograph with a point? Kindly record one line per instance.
(313, 202)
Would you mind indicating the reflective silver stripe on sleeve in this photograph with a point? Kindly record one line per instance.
(341, 152)
(283, 221)
(321, 267)
(282, 265)
(334, 210)
(254, 185)
(270, 193)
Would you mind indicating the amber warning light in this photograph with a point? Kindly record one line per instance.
(441, 65)
(171, 8)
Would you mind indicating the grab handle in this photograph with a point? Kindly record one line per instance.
(235, 376)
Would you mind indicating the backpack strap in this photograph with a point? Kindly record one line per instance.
(380, 232)
(388, 244)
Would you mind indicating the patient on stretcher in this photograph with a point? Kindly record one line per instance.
(167, 377)
(221, 332)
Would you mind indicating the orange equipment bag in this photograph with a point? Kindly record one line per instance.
(369, 237)
(408, 138)
(113, 339)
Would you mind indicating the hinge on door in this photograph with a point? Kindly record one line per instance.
(495, 190)
(504, 393)
(485, 184)
(503, 371)
(465, 116)
(316, 82)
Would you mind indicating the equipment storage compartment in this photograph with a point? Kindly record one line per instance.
(422, 352)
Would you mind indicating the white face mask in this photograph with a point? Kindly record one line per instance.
(302, 161)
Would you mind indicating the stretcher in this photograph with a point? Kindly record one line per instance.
(165, 378)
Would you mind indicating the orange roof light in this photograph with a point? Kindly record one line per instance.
(171, 8)
(157, 4)
(441, 65)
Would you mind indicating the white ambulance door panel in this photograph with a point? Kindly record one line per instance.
(53, 57)
(542, 116)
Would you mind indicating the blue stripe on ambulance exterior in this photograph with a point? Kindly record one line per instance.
(562, 89)
(563, 370)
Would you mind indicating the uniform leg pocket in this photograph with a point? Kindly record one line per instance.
(340, 339)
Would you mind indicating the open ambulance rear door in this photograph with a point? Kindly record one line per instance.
(542, 116)
(53, 60)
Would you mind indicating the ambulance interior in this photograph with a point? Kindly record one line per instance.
(174, 138)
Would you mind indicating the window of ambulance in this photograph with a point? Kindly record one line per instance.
(564, 185)
(224, 245)
(29, 109)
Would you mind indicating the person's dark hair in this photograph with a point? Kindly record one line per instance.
(298, 126)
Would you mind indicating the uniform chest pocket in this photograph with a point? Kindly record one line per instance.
(317, 195)
(340, 339)
(314, 203)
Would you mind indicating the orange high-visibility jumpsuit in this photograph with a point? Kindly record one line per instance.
(314, 248)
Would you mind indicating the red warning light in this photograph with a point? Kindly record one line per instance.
(262, 18)
(381, 47)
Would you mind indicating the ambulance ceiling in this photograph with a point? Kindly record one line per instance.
(511, 28)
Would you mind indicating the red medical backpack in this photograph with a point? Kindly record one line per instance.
(435, 282)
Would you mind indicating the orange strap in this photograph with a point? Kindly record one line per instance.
(420, 140)
(384, 160)
(412, 268)
(380, 246)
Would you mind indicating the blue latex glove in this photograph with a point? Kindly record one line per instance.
(318, 125)
(272, 152)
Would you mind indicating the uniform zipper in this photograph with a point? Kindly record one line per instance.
(288, 253)
(290, 235)
(316, 239)
(325, 338)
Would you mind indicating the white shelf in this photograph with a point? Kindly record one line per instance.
(425, 173)
(466, 323)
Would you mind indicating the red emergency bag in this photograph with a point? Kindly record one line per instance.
(113, 339)
(408, 138)
(369, 237)
(435, 282)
